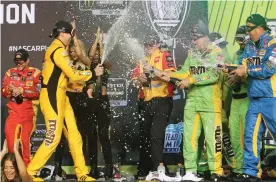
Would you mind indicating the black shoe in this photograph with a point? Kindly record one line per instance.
(142, 174)
(232, 175)
(245, 177)
(215, 177)
(181, 170)
(58, 173)
(94, 171)
(204, 175)
(167, 171)
(108, 171)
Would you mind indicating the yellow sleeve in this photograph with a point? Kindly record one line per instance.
(184, 72)
(61, 59)
(179, 75)
(244, 63)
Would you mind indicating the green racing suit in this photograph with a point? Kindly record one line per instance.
(202, 109)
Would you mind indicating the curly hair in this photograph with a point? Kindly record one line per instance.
(9, 157)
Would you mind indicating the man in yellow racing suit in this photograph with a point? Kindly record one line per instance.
(55, 104)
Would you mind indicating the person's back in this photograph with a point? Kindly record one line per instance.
(55, 105)
(52, 74)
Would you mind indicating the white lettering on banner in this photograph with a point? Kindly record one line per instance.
(9, 13)
(13, 13)
(29, 48)
(115, 85)
(117, 91)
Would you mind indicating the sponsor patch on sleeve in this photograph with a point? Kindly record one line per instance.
(85, 73)
(156, 60)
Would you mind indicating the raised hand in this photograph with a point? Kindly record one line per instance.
(98, 32)
(5, 148)
(73, 23)
(17, 145)
(99, 70)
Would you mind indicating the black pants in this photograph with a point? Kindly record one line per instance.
(155, 116)
(93, 121)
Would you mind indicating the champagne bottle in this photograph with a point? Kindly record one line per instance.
(148, 82)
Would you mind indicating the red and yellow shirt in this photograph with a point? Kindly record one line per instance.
(161, 60)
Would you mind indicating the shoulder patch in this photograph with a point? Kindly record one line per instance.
(33, 68)
(273, 41)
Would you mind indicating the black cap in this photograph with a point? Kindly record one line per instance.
(21, 54)
(258, 20)
(62, 26)
(216, 38)
(241, 35)
(200, 28)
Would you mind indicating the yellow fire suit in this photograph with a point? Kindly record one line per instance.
(55, 106)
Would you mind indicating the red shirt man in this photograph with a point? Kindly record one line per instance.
(21, 85)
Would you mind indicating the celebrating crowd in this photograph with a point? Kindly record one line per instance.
(230, 102)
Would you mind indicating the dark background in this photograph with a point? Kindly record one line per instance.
(125, 122)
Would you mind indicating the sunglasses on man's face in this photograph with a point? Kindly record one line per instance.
(19, 61)
(250, 28)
